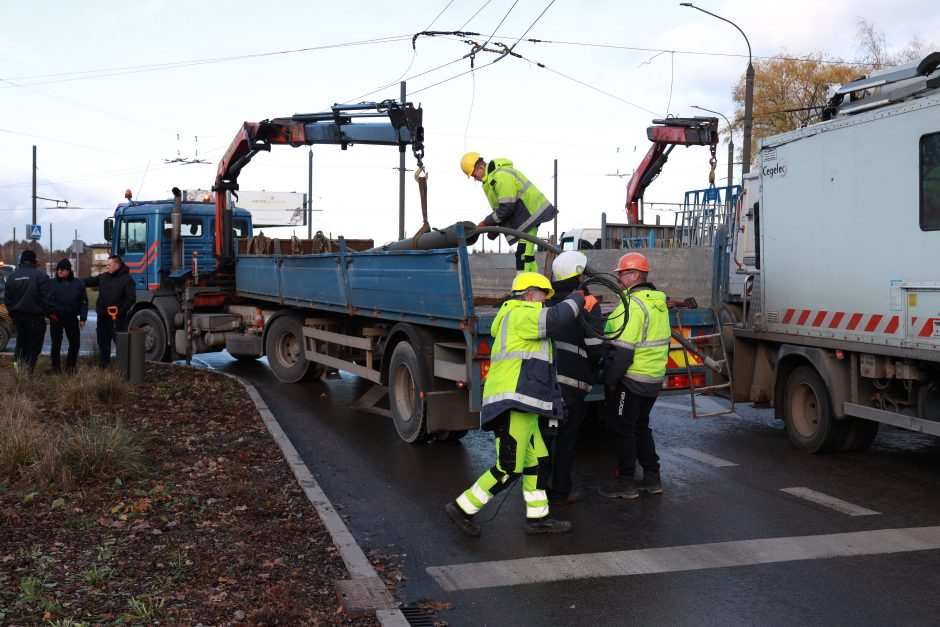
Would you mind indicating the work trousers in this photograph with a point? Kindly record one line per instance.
(106, 331)
(628, 425)
(30, 333)
(525, 254)
(519, 450)
(69, 325)
(562, 447)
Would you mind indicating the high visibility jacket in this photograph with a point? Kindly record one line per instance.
(640, 351)
(578, 356)
(522, 372)
(515, 201)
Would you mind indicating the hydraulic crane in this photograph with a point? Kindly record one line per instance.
(670, 132)
(343, 125)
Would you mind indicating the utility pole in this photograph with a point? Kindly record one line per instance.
(34, 194)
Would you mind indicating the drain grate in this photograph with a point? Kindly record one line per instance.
(416, 616)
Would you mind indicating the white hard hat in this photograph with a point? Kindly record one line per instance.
(568, 264)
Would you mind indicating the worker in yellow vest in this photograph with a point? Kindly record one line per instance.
(634, 374)
(520, 387)
(515, 201)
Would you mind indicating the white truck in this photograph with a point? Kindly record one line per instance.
(841, 323)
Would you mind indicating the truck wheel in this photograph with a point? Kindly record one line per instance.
(808, 413)
(4, 337)
(284, 347)
(408, 410)
(155, 348)
(858, 435)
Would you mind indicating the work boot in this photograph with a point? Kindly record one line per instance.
(650, 482)
(464, 521)
(536, 526)
(619, 488)
(571, 499)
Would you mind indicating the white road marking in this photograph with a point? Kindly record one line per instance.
(711, 460)
(830, 501)
(683, 558)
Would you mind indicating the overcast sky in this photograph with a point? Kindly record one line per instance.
(109, 91)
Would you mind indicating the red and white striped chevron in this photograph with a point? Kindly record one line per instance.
(856, 322)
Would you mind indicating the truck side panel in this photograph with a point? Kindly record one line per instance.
(841, 245)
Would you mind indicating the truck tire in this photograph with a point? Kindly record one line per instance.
(284, 347)
(810, 424)
(858, 434)
(155, 347)
(4, 337)
(405, 374)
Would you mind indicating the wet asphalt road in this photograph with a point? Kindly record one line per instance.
(391, 495)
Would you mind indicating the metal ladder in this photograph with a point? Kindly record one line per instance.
(710, 348)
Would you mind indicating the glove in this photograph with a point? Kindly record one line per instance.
(589, 303)
(482, 224)
(53, 317)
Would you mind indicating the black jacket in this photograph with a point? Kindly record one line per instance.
(28, 291)
(114, 290)
(70, 297)
(579, 356)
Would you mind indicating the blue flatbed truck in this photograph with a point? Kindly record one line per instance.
(414, 320)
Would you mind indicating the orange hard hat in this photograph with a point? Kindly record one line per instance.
(633, 261)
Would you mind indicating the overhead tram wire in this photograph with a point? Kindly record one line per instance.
(120, 71)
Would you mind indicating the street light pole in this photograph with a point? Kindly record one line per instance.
(730, 144)
(748, 89)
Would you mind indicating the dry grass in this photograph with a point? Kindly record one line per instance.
(40, 446)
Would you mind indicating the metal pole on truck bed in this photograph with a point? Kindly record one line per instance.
(401, 179)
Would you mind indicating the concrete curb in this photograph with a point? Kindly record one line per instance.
(356, 561)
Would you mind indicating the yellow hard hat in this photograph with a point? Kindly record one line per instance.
(525, 280)
(468, 162)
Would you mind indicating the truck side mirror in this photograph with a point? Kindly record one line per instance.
(108, 229)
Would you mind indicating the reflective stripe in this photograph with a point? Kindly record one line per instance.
(506, 201)
(534, 496)
(654, 343)
(522, 398)
(571, 348)
(543, 322)
(622, 344)
(534, 218)
(581, 385)
(504, 334)
(593, 341)
(467, 505)
(642, 378)
(572, 304)
(536, 512)
(646, 317)
(480, 494)
(496, 218)
(541, 355)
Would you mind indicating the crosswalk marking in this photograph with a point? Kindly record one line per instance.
(829, 501)
(683, 558)
(711, 460)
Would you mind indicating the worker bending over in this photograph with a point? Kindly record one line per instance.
(516, 203)
(521, 386)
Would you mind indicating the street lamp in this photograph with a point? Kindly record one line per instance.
(748, 89)
(730, 144)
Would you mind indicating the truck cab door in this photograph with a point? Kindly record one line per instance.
(139, 253)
